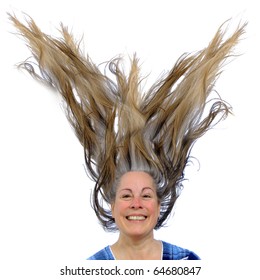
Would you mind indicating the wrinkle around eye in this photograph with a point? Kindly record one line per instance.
(147, 197)
(126, 196)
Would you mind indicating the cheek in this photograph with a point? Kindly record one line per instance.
(154, 208)
(157, 209)
(119, 208)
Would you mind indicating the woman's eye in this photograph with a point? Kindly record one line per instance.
(126, 196)
(147, 196)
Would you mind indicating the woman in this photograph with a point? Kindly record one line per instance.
(136, 145)
(136, 210)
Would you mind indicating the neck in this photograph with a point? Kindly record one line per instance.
(146, 248)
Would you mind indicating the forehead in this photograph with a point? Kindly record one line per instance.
(136, 179)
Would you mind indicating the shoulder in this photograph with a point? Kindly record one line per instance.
(104, 254)
(173, 252)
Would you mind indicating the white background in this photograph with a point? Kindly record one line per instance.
(46, 216)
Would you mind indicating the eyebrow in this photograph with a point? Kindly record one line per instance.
(127, 189)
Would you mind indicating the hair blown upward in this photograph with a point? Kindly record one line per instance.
(122, 129)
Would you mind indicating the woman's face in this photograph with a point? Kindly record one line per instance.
(136, 207)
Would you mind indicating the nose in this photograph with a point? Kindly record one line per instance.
(136, 203)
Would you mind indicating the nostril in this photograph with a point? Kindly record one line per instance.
(136, 206)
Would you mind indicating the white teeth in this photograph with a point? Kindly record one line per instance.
(139, 218)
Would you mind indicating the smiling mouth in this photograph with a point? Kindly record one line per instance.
(136, 218)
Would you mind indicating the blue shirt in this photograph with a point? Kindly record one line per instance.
(170, 252)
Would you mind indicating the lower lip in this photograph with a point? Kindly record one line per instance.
(136, 220)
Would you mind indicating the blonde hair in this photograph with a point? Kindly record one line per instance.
(123, 129)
